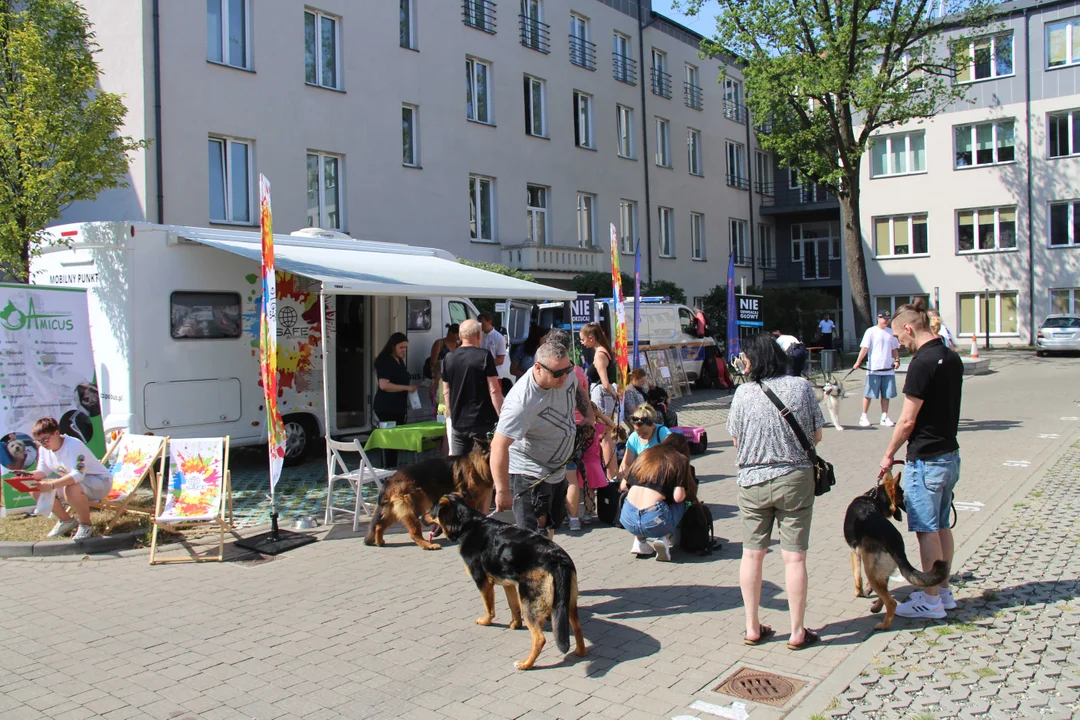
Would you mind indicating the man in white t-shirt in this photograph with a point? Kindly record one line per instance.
(827, 326)
(882, 353)
(495, 343)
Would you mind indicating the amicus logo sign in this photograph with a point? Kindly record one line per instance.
(14, 319)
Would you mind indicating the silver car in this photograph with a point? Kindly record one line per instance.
(1058, 333)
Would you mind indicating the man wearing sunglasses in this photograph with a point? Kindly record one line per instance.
(534, 440)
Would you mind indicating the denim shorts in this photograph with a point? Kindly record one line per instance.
(656, 521)
(928, 491)
(880, 386)
(535, 501)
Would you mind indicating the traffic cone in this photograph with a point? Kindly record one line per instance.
(974, 346)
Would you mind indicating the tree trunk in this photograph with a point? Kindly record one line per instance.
(856, 259)
(22, 273)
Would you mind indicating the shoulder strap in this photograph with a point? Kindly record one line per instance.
(790, 417)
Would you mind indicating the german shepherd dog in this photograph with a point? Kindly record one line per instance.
(536, 574)
(414, 490)
(877, 546)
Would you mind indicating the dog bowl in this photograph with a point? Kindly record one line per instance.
(306, 522)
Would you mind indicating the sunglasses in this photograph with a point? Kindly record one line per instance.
(641, 421)
(557, 373)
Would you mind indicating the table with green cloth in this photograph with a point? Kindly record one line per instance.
(405, 437)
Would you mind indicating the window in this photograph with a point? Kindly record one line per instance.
(323, 191)
(898, 154)
(227, 32)
(892, 303)
(736, 165)
(477, 97)
(586, 220)
(733, 101)
(1063, 43)
(627, 225)
(410, 134)
(625, 130)
(692, 88)
(1065, 224)
(693, 151)
(813, 245)
(230, 180)
(622, 58)
(995, 229)
(766, 247)
(988, 57)
(583, 131)
(900, 235)
(1063, 138)
(976, 315)
(321, 50)
(737, 239)
(697, 236)
(985, 143)
(663, 143)
(1065, 301)
(661, 80)
(407, 24)
(793, 178)
(536, 214)
(460, 312)
(204, 315)
(479, 14)
(535, 110)
(763, 171)
(534, 32)
(667, 232)
(481, 208)
(582, 52)
(417, 314)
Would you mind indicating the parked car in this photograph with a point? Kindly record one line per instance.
(1058, 333)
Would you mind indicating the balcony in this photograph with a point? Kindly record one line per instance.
(693, 95)
(738, 181)
(553, 260)
(479, 14)
(625, 68)
(780, 198)
(764, 188)
(582, 52)
(535, 35)
(661, 83)
(735, 110)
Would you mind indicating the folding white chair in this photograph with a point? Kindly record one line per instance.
(337, 470)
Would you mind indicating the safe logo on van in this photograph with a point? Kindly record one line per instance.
(12, 318)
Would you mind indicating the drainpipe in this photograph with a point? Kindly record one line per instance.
(750, 180)
(1030, 190)
(159, 171)
(645, 142)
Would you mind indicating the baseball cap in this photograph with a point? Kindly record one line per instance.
(884, 314)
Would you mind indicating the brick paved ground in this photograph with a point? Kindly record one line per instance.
(337, 629)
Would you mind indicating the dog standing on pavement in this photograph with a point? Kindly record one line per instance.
(877, 547)
(834, 392)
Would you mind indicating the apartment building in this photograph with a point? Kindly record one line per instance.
(978, 209)
(514, 131)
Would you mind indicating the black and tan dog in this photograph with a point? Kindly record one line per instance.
(412, 491)
(877, 547)
(538, 576)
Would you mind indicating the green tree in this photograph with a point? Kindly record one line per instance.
(715, 309)
(661, 288)
(59, 133)
(599, 284)
(488, 304)
(825, 76)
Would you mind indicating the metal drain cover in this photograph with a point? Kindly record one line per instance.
(760, 686)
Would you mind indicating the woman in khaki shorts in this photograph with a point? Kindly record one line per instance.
(776, 483)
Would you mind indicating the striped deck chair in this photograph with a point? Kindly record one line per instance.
(197, 497)
(130, 460)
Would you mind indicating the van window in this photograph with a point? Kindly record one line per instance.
(460, 312)
(419, 312)
(686, 322)
(205, 315)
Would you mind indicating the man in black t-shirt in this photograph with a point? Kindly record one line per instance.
(928, 424)
(471, 389)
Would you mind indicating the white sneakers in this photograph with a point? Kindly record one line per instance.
(63, 527)
(575, 524)
(662, 548)
(83, 532)
(640, 548)
(864, 421)
(919, 605)
(886, 421)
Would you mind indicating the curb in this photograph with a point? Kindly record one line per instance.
(90, 546)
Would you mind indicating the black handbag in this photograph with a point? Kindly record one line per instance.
(824, 477)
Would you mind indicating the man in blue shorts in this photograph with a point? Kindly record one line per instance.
(882, 354)
(928, 424)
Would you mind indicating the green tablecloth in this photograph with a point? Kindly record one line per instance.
(405, 437)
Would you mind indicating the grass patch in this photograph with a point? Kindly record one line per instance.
(985, 672)
(886, 671)
(834, 704)
(966, 627)
(945, 630)
(932, 642)
(956, 675)
(990, 595)
(1023, 612)
(818, 716)
(30, 528)
(924, 716)
(1036, 494)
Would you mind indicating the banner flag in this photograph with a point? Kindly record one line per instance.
(619, 321)
(268, 337)
(732, 312)
(637, 301)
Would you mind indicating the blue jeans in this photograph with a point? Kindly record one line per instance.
(655, 521)
(928, 491)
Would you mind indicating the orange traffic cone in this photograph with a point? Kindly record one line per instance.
(974, 346)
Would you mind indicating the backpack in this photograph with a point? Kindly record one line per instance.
(696, 530)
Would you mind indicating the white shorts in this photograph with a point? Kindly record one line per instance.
(96, 487)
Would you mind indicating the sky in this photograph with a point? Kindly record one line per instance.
(704, 22)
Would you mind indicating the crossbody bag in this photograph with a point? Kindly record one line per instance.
(824, 477)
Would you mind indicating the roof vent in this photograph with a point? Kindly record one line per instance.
(315, 232)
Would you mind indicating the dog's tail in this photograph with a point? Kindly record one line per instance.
(565, 581)
(376, 516)
(936, 576)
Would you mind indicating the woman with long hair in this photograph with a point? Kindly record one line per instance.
(603, 370)
(391, 401)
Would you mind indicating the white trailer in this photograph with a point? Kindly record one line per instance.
(174, 319)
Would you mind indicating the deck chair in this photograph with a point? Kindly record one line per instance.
(337, 470)
(197, 496)
(130, 459)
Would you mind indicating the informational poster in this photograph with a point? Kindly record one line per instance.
(749, 312)
(46, 370)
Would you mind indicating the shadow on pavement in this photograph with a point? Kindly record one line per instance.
(969, 425)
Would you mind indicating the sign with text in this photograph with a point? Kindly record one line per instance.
(749, 311)
(581, 310)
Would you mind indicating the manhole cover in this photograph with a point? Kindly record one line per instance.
(760, 686)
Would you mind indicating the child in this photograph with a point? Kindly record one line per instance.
(79, 477)
(594, 469)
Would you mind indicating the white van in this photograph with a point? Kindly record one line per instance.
(174, 320)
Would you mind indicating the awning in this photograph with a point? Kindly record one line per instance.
(360, 267)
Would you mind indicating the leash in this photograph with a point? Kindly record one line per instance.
(841, 382)
(952, 505)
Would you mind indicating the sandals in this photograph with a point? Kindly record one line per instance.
(809, 638)
(765, 633)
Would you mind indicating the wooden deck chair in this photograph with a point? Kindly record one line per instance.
(337, 470)
(197, 495)
(130, 459)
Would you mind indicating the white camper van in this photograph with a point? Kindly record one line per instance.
(174, 318)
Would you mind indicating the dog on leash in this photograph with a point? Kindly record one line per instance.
(877, 547)
(411, 492)
(538, 576)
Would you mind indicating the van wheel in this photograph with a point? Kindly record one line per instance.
(301, 434)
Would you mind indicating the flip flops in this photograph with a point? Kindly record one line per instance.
(809, 638)
(765, 633)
